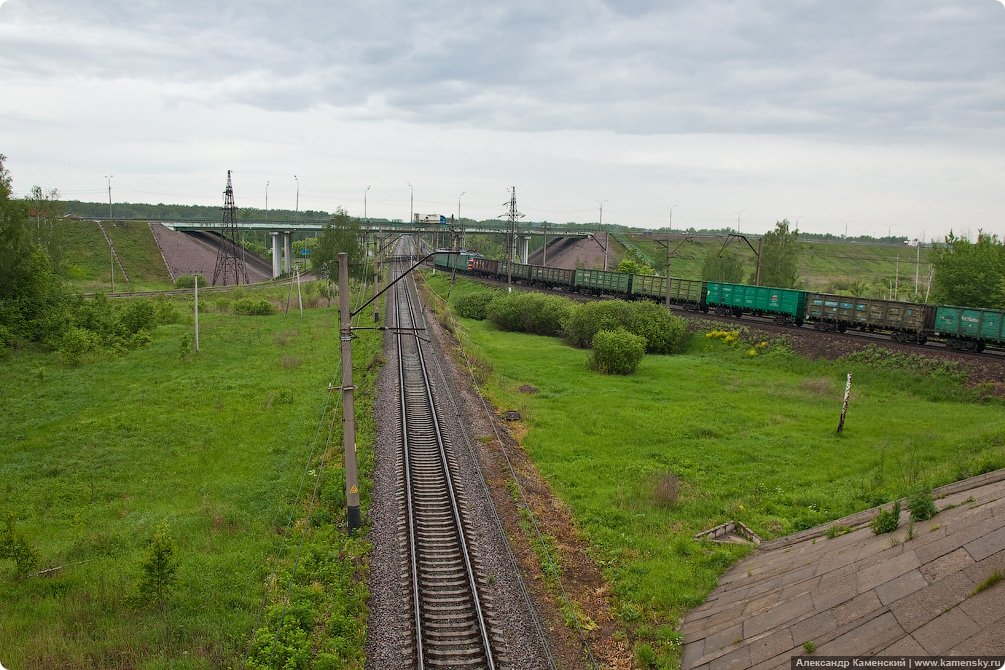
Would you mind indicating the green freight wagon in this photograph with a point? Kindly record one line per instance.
(520, 271)
(785, 304)
(687, 292)
(552, 276)
(650, 286)
(603, 281)
(905, 321)
(969, 329)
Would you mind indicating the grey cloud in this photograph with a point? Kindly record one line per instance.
(807, 66)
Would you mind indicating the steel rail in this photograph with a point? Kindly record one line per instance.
(456, 602)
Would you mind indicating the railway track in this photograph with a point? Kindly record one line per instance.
(932, 346)
(451, 625)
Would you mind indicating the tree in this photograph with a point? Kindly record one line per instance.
(780, 250)
(32, 297)
(724, 267)
(634, 264)
(341, 234)
(45, 212)
(159, 568)
(971, 274)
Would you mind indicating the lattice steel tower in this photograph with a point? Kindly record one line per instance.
(230, 257)
(511, 216)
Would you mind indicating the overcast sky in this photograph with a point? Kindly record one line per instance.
(885, 114)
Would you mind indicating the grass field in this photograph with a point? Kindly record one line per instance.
(823, 265)
(217, 445)
(721, 433)
(87, 256)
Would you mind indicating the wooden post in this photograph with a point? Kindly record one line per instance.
(348, 408)
(844, 408)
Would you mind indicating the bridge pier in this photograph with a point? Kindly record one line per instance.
(282, 252)
(524, 249)
(276, 267)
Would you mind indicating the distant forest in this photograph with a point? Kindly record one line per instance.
(162, 212)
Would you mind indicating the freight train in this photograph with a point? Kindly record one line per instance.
(962, 328)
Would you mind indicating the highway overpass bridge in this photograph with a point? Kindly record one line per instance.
(282, 232)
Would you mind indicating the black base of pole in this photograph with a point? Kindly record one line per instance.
(354, 519)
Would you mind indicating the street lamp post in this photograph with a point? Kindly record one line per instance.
(738, 219)
(109, 178)
(607, 240)
(296, 215)
(846, 226)
(411, 203)
(364, 204)
(671, 217)
(266, 202)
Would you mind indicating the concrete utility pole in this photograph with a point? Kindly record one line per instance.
(453, 247)
(109, 178)
(196, 276)
(738, 219)
(545, 247)
(348, 407)
(376, 279)
(607, 239)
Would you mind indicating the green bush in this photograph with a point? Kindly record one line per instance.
(188, 281)
(75, 343)
(223, 304)
(617, 352)
(6, 342)
(528, 312)
(14, 545)
(588, 318)
(475, 305)
(886, 521)
(922, 506)
(664, 332)
(138, 315)
(166, 312)
(253, 307)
